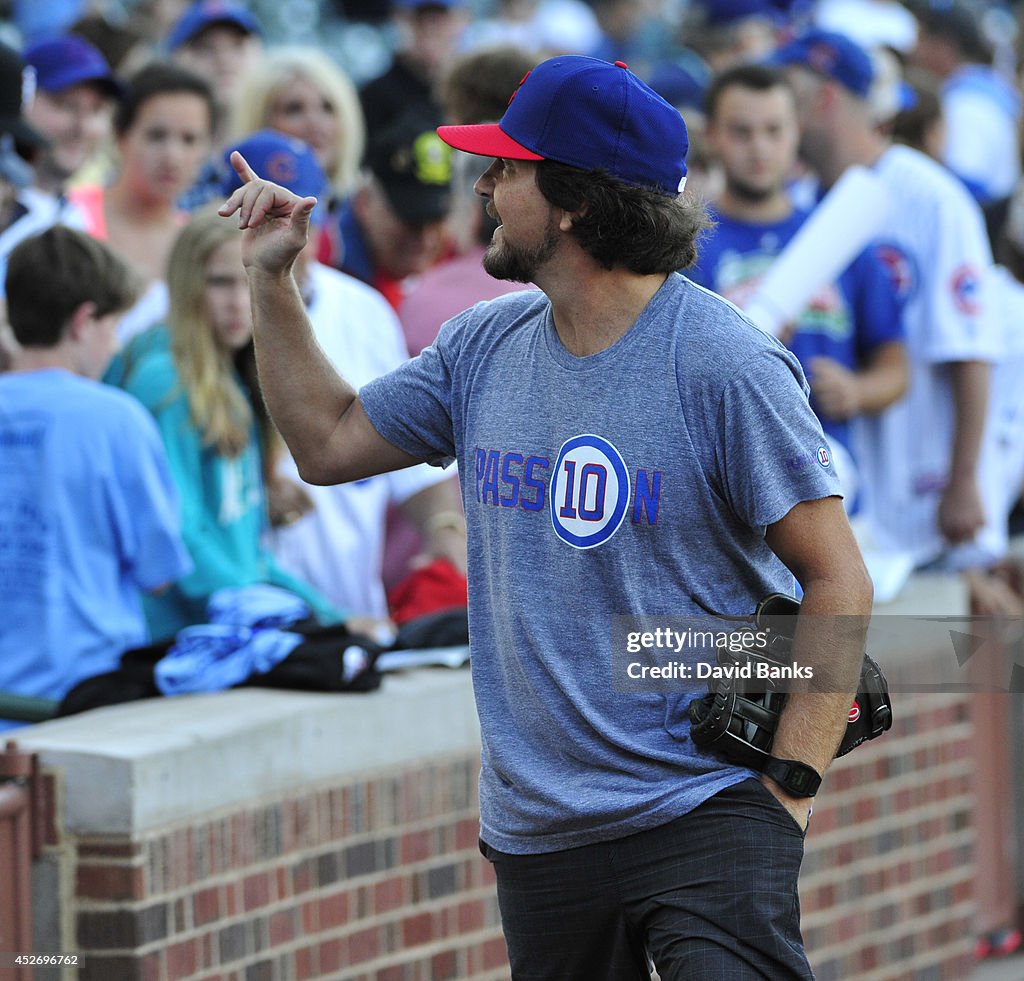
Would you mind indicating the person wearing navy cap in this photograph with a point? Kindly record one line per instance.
(619, 438)
(75, 95)
(222, 42)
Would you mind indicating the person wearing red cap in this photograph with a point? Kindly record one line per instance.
(628, 445)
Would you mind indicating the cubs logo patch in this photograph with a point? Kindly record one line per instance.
(901, 269)
(965, 285)
(589, 491)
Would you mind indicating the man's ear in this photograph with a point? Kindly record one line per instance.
(79, 320)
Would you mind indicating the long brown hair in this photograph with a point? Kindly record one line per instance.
(220, 408)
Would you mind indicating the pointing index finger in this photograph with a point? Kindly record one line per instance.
(242, 167)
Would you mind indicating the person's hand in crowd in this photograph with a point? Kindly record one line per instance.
(834, 388)
(287, 501)
(961, 513)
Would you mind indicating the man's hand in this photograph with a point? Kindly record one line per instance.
(276, 220)
(961, 513)
(834, 388)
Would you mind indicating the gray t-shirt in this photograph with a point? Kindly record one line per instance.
(623, 483)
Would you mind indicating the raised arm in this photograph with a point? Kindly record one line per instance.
(317, 412)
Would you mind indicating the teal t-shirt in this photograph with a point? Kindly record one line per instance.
(224, 515)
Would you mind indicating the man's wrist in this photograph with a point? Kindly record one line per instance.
(795, 779)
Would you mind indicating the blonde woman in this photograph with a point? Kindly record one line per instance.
(196, 374)
(301, 92)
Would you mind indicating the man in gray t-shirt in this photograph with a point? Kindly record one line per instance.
(628, 444)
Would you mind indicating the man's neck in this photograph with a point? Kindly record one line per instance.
(593, 307)
(773, 207)
(851, 147)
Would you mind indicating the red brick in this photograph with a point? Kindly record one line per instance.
(152, 967)
(389, 895)
(467, 834)
(363, 945)
(471, 915)
(282, 927)
(494, 953)
(110, 882)
(306, 964)
(443, 966)
(206, 905)
(183, 959)
(310, 916)
(256, 890)
(333, 911)
(417, 930)
(330, 957)
(415, 847)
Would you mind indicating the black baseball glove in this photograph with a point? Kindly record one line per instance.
(738, 717)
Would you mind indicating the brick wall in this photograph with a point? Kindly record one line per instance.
(887, 891)
(379, 879)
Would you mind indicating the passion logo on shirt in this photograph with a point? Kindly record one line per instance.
(587, 492)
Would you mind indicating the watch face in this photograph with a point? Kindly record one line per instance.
(801, 781)
(795, 778)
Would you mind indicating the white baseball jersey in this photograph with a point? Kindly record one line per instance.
(936, 249)
(339, 547)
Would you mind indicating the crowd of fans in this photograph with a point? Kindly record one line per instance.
(114, 145)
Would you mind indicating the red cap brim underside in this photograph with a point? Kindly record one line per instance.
(486, 140)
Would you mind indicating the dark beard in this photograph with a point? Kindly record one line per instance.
(752, 195)
(518, 264)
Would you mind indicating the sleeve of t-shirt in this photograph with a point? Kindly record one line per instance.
(146, 507)
(771, 452)
(878, 312)
(411, 407)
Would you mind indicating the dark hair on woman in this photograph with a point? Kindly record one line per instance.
(621, 224)
(160, 78)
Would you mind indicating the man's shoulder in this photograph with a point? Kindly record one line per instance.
(912, 176)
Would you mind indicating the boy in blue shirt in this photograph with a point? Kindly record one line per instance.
(88, 515)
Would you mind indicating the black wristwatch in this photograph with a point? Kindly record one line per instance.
(796, 779)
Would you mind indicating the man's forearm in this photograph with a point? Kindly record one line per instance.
(970, 380)
(304, 394)
(830, 640)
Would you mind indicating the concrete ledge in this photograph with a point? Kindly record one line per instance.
(138, 766)
(134, 767)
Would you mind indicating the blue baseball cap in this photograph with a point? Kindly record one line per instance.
(204, 14)
(67, 60)
(833, 55)
(590, 114)
(281, 159)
